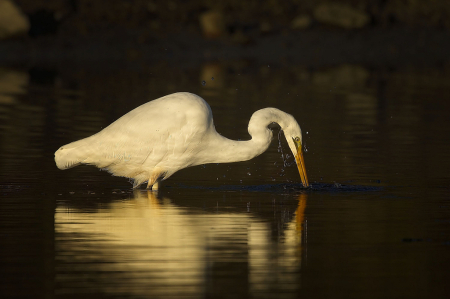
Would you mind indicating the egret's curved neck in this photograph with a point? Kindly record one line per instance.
(224, 150)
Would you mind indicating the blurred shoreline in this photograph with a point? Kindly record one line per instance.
(373, 47)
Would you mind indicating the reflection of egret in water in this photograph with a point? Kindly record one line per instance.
(278, 264)
(300, 215)
(149, 246)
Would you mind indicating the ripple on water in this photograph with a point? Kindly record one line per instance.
(288, 187)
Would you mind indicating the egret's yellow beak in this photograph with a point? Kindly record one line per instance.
(301, 163)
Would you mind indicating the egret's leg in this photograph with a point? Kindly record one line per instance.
(150, 184)
(153, 181)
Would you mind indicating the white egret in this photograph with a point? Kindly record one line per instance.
(156, 139)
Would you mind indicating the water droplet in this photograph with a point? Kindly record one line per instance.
(249, 173)
(203, 82)
(268, 65)
(307, 133)
(212, 78)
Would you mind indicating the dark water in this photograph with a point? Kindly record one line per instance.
(374, 224)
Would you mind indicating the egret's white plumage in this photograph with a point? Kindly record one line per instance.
(155, 140)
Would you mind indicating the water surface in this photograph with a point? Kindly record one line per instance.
(375, 222)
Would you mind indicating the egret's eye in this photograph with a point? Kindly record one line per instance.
(297, 139)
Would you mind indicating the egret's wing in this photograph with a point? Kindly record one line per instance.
(150, 133)
(132, 139)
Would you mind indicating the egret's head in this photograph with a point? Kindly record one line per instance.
(293, 135)
(258, 129)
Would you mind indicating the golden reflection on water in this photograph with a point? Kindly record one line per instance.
(150, 246)
(12, 84)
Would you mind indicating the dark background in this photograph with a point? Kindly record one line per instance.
(315, 33)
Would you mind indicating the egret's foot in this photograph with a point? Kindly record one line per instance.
(153, 181)
(153, 187)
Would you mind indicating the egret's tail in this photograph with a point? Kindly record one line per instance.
(71, 155)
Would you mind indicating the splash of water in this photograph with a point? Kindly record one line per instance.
(285, 157)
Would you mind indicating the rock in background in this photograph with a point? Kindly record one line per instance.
(341, 15)
(13, 22)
